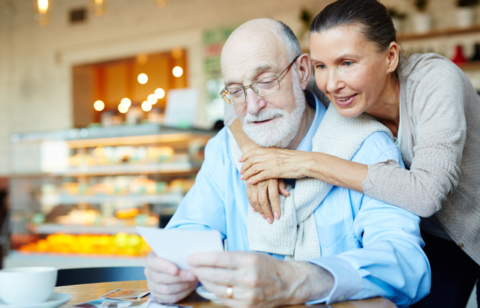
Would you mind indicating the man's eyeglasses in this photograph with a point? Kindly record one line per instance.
(262, 87)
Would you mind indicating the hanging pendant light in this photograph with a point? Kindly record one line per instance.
(41, 15)
(97, 7)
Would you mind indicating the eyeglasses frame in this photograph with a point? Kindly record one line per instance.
(279, 78)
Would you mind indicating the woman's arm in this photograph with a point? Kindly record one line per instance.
(245, 143)
(261, 164)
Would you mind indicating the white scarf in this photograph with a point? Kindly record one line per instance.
(295, 235)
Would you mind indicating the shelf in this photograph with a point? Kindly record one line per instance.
(133, 140)
(470, 66)
(438, 33)
(66, 199)
(170, 168)
(81, 229)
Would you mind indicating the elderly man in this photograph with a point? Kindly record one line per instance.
(330, 243)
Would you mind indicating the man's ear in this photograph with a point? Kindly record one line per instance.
(303, 67)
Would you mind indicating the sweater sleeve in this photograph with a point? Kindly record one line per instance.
(438, 124)
(229, 114)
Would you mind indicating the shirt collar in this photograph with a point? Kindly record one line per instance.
(312, 100)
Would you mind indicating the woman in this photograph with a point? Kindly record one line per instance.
(431, 108)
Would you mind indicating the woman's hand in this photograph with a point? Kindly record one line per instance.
(260, 194)
(260, 164)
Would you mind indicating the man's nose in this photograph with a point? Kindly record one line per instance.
(255, 103)
(334, 82)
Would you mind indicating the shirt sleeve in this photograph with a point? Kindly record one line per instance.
(437, 118)
(203, 208)
(390, 261)
(229, 114)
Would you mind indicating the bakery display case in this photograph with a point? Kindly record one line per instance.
(83, 191)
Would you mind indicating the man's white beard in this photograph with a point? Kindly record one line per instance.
(282, 130)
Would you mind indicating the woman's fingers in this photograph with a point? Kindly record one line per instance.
(274, 198)
(252, 152)
(262, 191)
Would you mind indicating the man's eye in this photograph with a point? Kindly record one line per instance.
(266, 81)
(348, 63)
(235, 92)
(321, 66)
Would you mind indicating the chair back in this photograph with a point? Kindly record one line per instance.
(74, 276)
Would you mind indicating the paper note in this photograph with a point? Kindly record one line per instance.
(177, 245)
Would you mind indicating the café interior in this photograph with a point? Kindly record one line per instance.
(106, 107)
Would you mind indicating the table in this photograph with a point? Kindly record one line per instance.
(85, 292)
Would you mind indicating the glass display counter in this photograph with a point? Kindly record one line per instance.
(83, 191)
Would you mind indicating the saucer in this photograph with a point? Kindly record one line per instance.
(55, 300)
(207, 295)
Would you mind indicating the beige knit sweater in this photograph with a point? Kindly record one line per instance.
(440, 118)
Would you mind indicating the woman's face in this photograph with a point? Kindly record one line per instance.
(349, 69)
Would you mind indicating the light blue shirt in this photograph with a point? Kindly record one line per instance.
(370, 247)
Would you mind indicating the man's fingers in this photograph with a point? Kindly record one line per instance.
(158, 277)
(282, 188)
(172, 289)
(274, 198)
(218, 276)
(219, 259)
(160, 265)
(253, 198)
(262, 190)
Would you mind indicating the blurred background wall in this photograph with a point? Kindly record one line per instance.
(36, 61)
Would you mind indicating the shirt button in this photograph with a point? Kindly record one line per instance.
(460, 245)
(341, 298)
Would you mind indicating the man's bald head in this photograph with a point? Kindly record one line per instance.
(264, 31)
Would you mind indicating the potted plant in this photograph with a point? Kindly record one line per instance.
(397, 18)
(422, 21)
(465, 12)
(306, 18)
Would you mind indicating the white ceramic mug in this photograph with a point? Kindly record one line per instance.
(27, 285)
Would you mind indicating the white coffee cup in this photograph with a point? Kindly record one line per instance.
(27, 285)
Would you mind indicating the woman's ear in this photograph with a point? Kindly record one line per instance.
(303, 68)
(393, 57)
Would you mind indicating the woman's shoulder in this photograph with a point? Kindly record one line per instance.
(436, 67)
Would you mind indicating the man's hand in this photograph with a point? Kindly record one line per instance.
(166, 282)
(259, 280)
(264, 194)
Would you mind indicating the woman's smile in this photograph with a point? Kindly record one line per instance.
(344, 101)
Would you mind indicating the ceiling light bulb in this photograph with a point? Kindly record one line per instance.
(152, 99)
(177, 71)
(142, 78)
(99, 105)
(146, 106)
(160, 93)
(126, 102)
(42, 6)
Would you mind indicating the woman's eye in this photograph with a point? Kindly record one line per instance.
(321, 66)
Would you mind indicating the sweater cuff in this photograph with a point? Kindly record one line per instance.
(368, 183)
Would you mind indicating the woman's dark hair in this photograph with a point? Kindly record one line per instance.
(372, 17)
